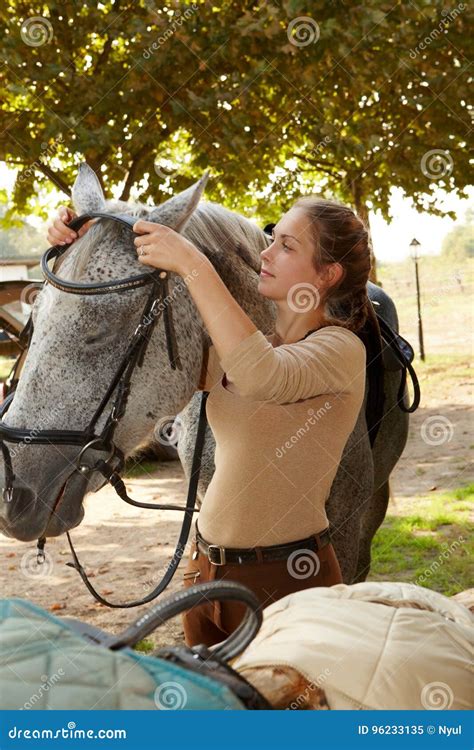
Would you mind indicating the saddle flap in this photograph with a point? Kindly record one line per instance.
(396, 351)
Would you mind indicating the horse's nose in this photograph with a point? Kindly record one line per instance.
(19, 496)
(16, 506)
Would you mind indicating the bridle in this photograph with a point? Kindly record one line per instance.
(88, 439)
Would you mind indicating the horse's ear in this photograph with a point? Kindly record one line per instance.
(87, 193)
(176, 212)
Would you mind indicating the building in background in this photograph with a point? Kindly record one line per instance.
(16, 267)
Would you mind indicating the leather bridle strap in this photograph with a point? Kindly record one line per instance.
(130, 359)
(180, 550)
(105, 287)
(130, 282)
(127, 365)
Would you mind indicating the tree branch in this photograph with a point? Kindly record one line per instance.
(104, 55)
(132, 171)
(54, 177)
(313, 161)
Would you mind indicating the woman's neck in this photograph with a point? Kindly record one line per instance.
(288, 329)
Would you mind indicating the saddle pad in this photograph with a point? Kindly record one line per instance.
(44, 664)
(371, 646)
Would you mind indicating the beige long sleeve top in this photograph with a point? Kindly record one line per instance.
(281, 416)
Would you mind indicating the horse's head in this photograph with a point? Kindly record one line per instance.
(77, 343)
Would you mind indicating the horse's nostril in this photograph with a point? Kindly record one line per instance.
(18, 494)
(17, 502)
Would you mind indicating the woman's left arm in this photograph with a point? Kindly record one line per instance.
(227, 324)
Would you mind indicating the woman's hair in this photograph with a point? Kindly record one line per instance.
(341, 237)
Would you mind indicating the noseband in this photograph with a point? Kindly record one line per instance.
(88, 439)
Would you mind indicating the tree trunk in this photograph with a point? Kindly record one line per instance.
(132, 171)
(363, 213)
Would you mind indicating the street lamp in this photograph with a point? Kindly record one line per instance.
(415, 254)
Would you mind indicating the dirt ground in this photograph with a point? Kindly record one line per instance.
(438, 453)
(125, 549)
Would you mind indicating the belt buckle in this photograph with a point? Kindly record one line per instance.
(322, 539)
(211, 548)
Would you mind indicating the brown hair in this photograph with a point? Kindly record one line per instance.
(341, 237)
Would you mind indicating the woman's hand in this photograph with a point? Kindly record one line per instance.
(59, 233)
(161, 247)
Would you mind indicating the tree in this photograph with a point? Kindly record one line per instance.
(351, 101)
(459, 242)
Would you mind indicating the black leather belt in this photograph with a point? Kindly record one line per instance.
(219, 555)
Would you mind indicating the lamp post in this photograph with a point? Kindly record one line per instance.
(415, 254)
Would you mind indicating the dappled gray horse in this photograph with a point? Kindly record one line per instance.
(78, 341)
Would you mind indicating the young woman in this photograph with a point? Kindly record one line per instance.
(281, 407)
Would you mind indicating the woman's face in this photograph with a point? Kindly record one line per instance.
(289, 260)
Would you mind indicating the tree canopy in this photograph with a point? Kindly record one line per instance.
(350, 99)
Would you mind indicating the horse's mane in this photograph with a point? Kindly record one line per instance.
(215, 230)
(218, 231)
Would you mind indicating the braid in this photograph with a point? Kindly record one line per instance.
(352, 312)
(341, 237)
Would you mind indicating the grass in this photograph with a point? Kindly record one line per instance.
(446, 305)
(437, 369)
(6, 364)
(145, 646)
(432, 547)
(135, 469)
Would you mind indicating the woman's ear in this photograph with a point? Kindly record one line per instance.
(335, 273)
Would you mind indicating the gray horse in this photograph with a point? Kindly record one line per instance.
(78, 341)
